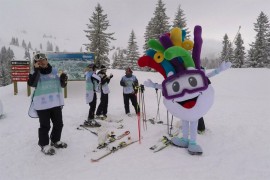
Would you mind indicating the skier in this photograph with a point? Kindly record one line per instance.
(105, 80)
(130, 85)
(92, 86)
(48, 101)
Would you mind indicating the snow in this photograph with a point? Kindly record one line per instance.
(235, 144)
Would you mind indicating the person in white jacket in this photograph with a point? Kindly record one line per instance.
(92, 86)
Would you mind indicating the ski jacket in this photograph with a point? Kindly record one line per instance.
(48, 92)
(128, 83)
(92, 85)
(104, 84)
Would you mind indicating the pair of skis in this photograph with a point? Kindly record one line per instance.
(163, 142)
(110, 120)
(112, 138)
(113, 149)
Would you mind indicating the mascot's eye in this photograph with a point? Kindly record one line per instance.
(192, 81)
(176, 86)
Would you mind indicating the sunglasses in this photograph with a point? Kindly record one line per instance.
(40, 56)
(190, 81)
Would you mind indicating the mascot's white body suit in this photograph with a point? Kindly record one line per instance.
(187, 92)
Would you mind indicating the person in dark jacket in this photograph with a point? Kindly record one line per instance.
(129, 83)
(104, 97)
(48, 101)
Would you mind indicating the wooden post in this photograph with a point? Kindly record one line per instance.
(15, 87)
(28, 90)
(65, 92)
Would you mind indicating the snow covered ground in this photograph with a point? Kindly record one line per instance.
(236, 144)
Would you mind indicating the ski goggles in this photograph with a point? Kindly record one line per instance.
(40, 56)
(190, 81)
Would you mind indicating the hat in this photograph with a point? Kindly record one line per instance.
(128, 69)
(39, 56)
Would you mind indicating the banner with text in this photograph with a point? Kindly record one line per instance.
(73, 64)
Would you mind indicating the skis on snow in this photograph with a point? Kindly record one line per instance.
(112, 138)
(87, 128)
(163, 142)
(113, 149)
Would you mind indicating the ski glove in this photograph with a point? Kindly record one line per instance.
(63, 79)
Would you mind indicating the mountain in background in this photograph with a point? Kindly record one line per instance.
(210, 49)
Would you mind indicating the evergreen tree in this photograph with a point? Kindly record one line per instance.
(98, 37)
(148, 34)
(56, 49)
(119, 59)
(16, 42)
(209, 63)
(258, 55)
(239, 53)
(24, 44)
(132, 52)
(29, 45)
(40, 46)
(114, 60)
(158, 25)
(27, 54)
(180, 21)
(227, 50)
(6, 55)
(49, 46)
(13, 41)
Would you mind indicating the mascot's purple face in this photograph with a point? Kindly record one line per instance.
(186, 90)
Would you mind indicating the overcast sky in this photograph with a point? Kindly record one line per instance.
(68, 18)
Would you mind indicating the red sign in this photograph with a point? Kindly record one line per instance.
(19, 74)
(20, 68)
(19, 78)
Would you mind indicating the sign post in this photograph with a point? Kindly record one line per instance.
(19, 73)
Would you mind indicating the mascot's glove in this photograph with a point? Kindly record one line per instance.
(149, 83)
(222, 67)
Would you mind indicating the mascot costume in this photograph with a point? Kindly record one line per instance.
(187, 92)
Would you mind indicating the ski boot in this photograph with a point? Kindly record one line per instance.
(104, 117)
(59, 144)
(180, 142)
(48, 150)
(91, 123)
(194, 149)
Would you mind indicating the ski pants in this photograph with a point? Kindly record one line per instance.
(103, 105)
(55, 115)
(201, 126)
(93, 104)
(132, 97)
